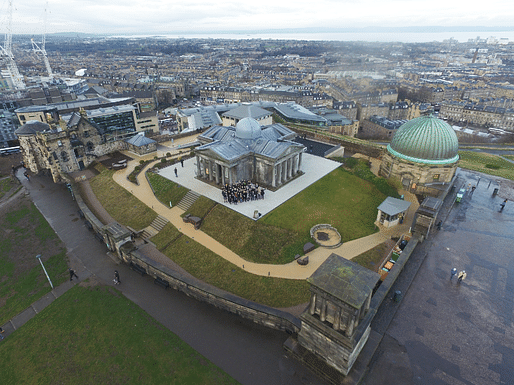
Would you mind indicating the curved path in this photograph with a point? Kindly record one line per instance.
(291, 270)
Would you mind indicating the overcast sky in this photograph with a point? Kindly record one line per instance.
(201, 16)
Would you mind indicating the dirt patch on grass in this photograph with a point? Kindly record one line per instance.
(6, 163)
(90, 282)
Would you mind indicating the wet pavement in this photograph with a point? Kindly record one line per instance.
(250, 353)
(444, 332)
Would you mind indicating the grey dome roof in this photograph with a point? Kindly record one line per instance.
(248, 128)
(426, 139)
(32, 127)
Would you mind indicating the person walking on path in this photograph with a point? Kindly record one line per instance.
(462, 276)
(73, 274)
(182, 162)
(502, 205)
(116, 279)
(176, 173)
(1, 333)
(453, 272)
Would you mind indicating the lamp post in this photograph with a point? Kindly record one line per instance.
(41, 262)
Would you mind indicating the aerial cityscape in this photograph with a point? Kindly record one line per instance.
(252, 193)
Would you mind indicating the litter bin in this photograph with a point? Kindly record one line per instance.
(397, 297)
(495, 191)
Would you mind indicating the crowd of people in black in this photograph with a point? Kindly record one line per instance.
(243, 191)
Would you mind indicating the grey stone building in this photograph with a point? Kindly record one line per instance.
(265, 155)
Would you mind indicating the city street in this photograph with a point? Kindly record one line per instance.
(450, 333)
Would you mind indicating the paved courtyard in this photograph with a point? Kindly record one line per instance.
(450, 333)
(314, 168)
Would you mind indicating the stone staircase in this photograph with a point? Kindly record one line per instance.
(188, 200)
(156, 226)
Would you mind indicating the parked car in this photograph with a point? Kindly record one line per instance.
(460, 194)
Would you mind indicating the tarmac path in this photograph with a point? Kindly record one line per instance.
(291, 270)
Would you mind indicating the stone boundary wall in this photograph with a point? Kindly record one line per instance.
(388, 282)
(332, 151)
(88, 215)
(260, 314)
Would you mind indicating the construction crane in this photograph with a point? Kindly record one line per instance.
(8, 57)
(41, 50)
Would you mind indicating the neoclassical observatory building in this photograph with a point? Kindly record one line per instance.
(265, 155)
(423, 155)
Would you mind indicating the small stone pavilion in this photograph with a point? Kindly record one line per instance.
(336, 325)
(265, 155)
(392, 211)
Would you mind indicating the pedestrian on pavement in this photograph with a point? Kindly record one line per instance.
(502, 205)
(462, 276)
(489, 185)
(73, 274)
(26, 175)
(182, 162)
(116, 277)
(453, 272)
(478, 181)
(1, 333)
(473, 189)
(176, 173)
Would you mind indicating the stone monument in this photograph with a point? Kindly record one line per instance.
(336, 324)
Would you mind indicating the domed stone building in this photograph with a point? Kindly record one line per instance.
(265, 155)
(423, 155)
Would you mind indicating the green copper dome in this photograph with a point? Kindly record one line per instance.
(426, 139)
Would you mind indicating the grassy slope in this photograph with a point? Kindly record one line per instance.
(201, 207)
(97, 336)
(121, 204)
(165, 190)
(213, 269)
(477, 162)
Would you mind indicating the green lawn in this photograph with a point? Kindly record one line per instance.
(341, 199)
(120, 203)
(254, 241)
(511, 157)
(25, 234)
(211, 268)
(486, 163)
(201, 207)
(94, 335)
(165, 190)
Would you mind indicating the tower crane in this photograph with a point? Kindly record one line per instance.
(41, 50)
(8, 57)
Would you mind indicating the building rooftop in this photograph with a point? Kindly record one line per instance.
(345, 280)
(427, 140)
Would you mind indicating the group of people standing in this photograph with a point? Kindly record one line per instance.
(243, 191)
(461, 276)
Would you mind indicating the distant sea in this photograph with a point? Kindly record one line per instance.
(404, 37)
